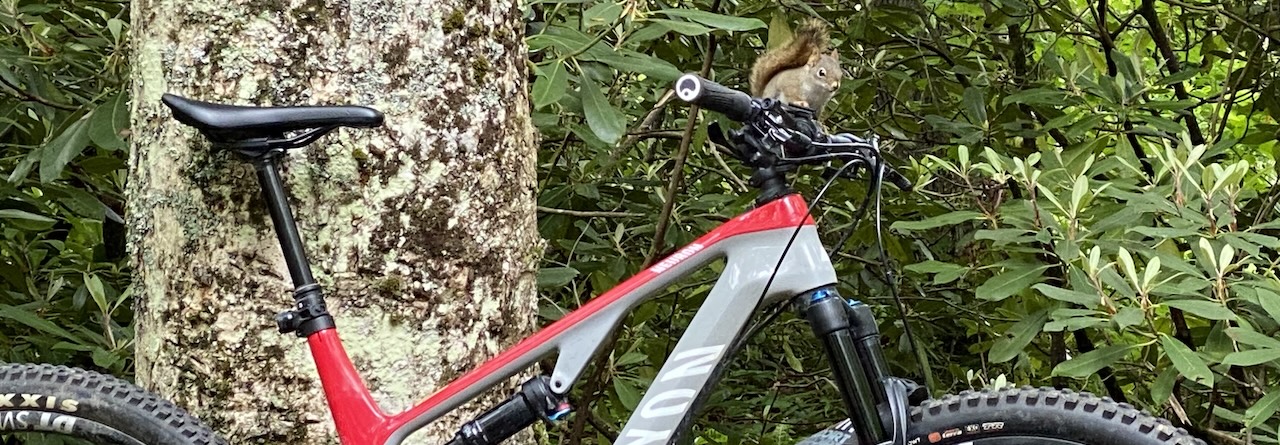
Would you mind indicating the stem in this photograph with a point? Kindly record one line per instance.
(1084, 344)
(593, 387)
(1229, 92)
(1148, 11)
(647, 123)
(600, 425)
(1108, 45)
(1217, 8)
(1058, 354)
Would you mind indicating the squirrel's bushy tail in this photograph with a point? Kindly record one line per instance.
(810, 38)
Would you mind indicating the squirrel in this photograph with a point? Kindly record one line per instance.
(800, 72)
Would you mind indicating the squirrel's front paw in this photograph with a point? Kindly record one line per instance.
(801, 103)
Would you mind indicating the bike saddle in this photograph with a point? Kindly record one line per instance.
(234, 124)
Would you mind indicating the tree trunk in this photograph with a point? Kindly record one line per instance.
(422, 232)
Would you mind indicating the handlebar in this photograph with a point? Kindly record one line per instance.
(734, 104)
(775, 127)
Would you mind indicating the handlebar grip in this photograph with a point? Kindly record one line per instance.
(732, 103)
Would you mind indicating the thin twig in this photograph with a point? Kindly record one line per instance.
(1221, 437)
(669, 198)
(657, 134)
(593, 41)
(742, 185)
(1218, 8)
(23, 94)
(592, 389)
(650, 119)
(1264, 211)
(598, 423)
(590, 214)
(677, 171)
(564, 143)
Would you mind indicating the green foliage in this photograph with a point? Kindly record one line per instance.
(1097, 195)
(1084, 208)
(1170, 267)
(63, 116)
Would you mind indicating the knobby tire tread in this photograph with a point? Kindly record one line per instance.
(1104, 411)
(1062, 414)
(108, 401)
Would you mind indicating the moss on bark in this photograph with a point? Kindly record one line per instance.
(422, 232)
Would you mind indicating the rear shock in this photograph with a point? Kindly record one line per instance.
(535, 401)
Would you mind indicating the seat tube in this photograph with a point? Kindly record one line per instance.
(827, 314)
(282, 217)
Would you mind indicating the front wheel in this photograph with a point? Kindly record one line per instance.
(1027, 416)
(45, 404)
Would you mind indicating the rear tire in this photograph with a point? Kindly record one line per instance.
(1023, 417)
(39, 401)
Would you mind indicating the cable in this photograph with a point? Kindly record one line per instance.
(800, 226)
(858, 215)
(781, 258)
(886, 268)
(824, 157)
(877, 181)
(772, 315)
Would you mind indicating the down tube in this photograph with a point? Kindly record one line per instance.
(577, 337)
(668, 407)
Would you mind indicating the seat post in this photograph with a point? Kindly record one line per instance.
(309, 314)
(282, 218)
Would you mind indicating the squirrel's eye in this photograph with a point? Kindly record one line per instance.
(822, 72)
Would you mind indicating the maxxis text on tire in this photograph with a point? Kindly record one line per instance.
(92, 406)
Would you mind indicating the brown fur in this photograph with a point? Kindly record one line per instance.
(808, 43)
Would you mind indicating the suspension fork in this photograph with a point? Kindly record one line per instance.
(852, 342)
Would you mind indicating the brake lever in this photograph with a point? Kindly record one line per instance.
(897, 179)
(718, 137)
(797, 145)
(872, 146)
(772, 135)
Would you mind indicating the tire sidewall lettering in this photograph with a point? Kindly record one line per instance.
(38, 401)
(24, 420)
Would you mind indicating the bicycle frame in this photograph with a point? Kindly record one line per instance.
(756, 273)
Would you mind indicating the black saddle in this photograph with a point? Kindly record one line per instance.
(265, 127)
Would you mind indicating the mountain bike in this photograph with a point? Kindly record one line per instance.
(773, 261)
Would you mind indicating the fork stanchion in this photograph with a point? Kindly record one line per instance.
(866, 337)
(829, 317)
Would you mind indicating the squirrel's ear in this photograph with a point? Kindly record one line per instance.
(835, 53)
(814, 58)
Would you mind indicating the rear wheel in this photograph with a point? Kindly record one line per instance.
(45, 404)
(1027, 416)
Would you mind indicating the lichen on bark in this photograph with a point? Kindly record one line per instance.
(422, 232)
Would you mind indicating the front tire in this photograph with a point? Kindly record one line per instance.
(47, 404)
(1027, 416)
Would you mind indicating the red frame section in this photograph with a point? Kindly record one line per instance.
(360, 421)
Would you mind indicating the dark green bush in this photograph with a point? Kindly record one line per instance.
(63, 121)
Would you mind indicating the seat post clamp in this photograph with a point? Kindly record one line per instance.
(309, 314)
